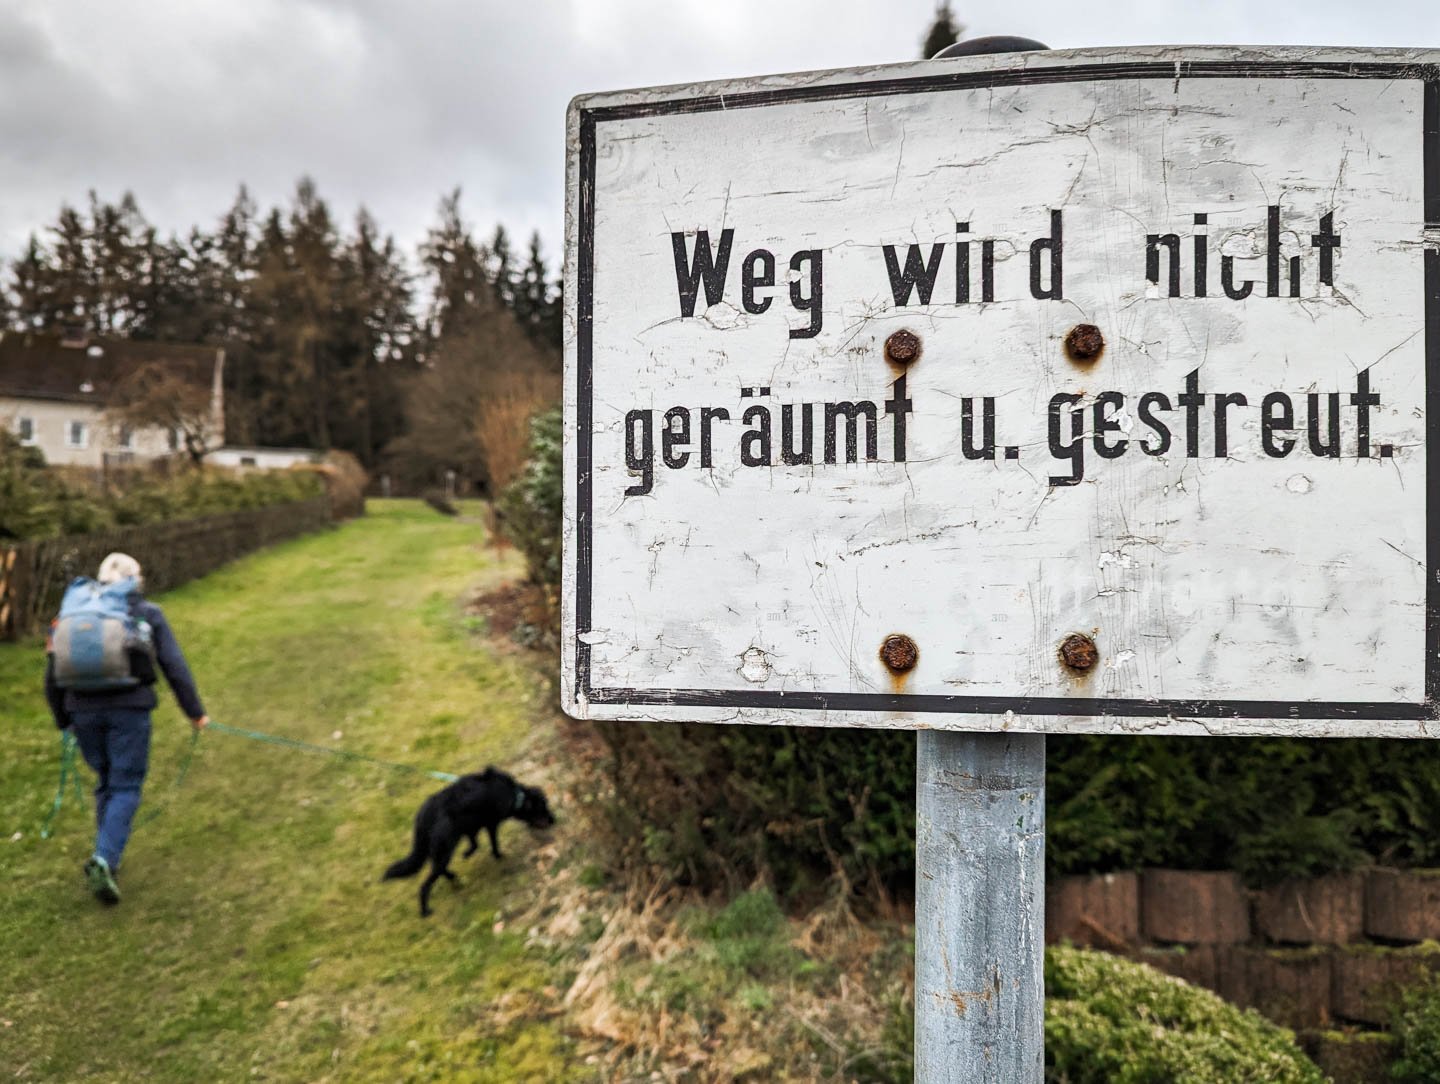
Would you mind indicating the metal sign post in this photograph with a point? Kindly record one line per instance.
(1030, 393)
(980, 908)
(980, 882)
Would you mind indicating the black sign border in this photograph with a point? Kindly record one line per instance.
(922, 703)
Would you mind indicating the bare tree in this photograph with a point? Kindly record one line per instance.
(468, 407)
(156, 396)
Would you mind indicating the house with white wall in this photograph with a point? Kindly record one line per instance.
(56, 393)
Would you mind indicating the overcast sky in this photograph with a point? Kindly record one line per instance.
(389, 103)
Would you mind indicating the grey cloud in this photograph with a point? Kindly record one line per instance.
(390, 104)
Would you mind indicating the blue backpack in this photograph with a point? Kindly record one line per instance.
(98, 643)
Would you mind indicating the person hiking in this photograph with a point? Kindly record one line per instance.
(112, 725)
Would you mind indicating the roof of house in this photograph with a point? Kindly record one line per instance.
(84, 369)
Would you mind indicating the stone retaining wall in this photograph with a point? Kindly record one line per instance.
(1325, 957)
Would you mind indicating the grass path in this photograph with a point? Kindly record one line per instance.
(255, 941)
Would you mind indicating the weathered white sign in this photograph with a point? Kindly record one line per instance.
(1176, 332)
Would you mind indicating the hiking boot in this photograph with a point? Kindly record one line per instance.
(102, 881)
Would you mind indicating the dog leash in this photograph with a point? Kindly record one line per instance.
(69, 770)
(255, 735)
(184, 767)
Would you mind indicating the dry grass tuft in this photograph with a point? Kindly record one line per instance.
(345, 479)
(637, 927)
(502, 420)
(666, 984)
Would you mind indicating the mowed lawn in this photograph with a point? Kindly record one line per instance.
(255, 940)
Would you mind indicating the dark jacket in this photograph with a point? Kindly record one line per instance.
(66, 702)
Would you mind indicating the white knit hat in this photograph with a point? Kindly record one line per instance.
(117, 567)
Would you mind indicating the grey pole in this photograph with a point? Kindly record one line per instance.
(979, 908)
(980, 882)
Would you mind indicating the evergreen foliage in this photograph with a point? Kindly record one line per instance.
(943, 31)
(1110, 1020)
(715, 806)
(1415, 1021)
(711, 804)
(34, 503)
(530, 507)
(1271, 808)
(326, 330)
(39, 503)
(715, 803)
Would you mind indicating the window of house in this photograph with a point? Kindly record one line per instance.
(77, 435)
(126, 437)
(247, 461)
(174, 436)
(25, 430)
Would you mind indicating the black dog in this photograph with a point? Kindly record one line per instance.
(459, 811)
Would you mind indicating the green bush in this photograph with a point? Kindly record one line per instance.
(530, 507)
(720, 803)
(204, 493)
(1110, 1020)
(1271, 808)
(1415, 1021)
(716, 805)
(36, 502)
(713, 802)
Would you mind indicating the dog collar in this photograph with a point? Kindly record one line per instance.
(519, 800)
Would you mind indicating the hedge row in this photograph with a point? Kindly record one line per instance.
(36, 502)
(725, 801)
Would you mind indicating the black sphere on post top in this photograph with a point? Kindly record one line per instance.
(995, 43)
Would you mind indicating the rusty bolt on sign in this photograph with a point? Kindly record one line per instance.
(1084, 343)
(1078, 651)
(902, 347)
(899, 653)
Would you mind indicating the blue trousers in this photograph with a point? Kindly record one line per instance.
(116, 744)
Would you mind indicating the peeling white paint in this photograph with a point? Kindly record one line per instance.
(755, 666)
(1202, 578)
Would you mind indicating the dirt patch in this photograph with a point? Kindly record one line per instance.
(517, 611)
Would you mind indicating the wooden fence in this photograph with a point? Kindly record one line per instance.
(34, 574)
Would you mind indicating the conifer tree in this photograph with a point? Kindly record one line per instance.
(455, 263)
(536, 303)
(378, 326)
(236, 328)
(312, 242)
(72, 294)
(273, 407)
(943, 31)
(500, 268)
(327, 340)
(31, 278)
